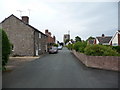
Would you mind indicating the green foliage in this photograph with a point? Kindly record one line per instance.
(67, 40)
(56, 45)
(100, 50)
(70, 46)
(77, 45)
(80, 46)
(6, 49)
(77, 39)
(117, 48)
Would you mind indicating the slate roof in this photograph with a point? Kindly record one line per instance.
(91, 41)
(24, 23)
(105, 39)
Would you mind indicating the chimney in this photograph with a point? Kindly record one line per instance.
(25, 19)
(46, 31)
(49, 33)
(103, 35)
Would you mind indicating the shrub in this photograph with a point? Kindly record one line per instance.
(77, 45)
(70, 46)
(117, 48)
(56, 45)
(80, 46)
(6, 49)
(100, 50)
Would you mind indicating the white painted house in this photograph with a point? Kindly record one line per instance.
(116, 39)
(103, 40)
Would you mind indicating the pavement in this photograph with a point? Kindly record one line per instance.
(16, 62)
(62, 70)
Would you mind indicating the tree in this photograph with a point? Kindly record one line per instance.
(6, 49)
(90, 38)
(56, 45)
(77, 38)
(67, 40)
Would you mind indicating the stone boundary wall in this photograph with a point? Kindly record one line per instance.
(101, 62)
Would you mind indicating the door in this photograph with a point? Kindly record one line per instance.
(36, 52)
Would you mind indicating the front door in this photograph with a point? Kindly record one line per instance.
(36, 52)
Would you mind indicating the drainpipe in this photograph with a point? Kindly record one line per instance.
(34, 43)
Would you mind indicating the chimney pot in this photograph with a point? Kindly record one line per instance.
(49, 33)
(103, 35)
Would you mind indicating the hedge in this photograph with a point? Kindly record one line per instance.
(117, 48)
(80, 46)
(70, 46)
(6, 49)
(100, 50)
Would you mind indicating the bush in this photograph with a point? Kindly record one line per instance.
(117, 48)
(100, 50)
(6, 49)
(70, 46)
(56, 45)
(80, 46)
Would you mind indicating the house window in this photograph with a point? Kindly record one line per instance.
(39, 46)
(40, 35)
(12, 47)
(115, 44)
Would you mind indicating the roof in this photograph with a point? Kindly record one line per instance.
(24, 23)
(91, 41)
(105, 39)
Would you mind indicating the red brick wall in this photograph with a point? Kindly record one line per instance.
(119, 39)
(95, 41)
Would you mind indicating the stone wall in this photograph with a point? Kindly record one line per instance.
(20, 35)
(101, 62)
(40, 43)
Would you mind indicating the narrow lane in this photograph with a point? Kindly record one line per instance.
(62, 70)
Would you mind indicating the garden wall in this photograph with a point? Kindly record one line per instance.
(102, 62)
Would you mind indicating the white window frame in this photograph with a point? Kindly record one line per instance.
(40, 36)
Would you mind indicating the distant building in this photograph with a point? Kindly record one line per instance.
(66, 37)
(107, 40)
(91, 41)
(115, 41)
(103, 40)
(50, 40)
(26, 40)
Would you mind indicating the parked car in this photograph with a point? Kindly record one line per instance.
(53, 50)
(59, 47)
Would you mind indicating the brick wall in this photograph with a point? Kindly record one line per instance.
(101, 62)
(119, 39)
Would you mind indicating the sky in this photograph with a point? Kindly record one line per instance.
(82, 18)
